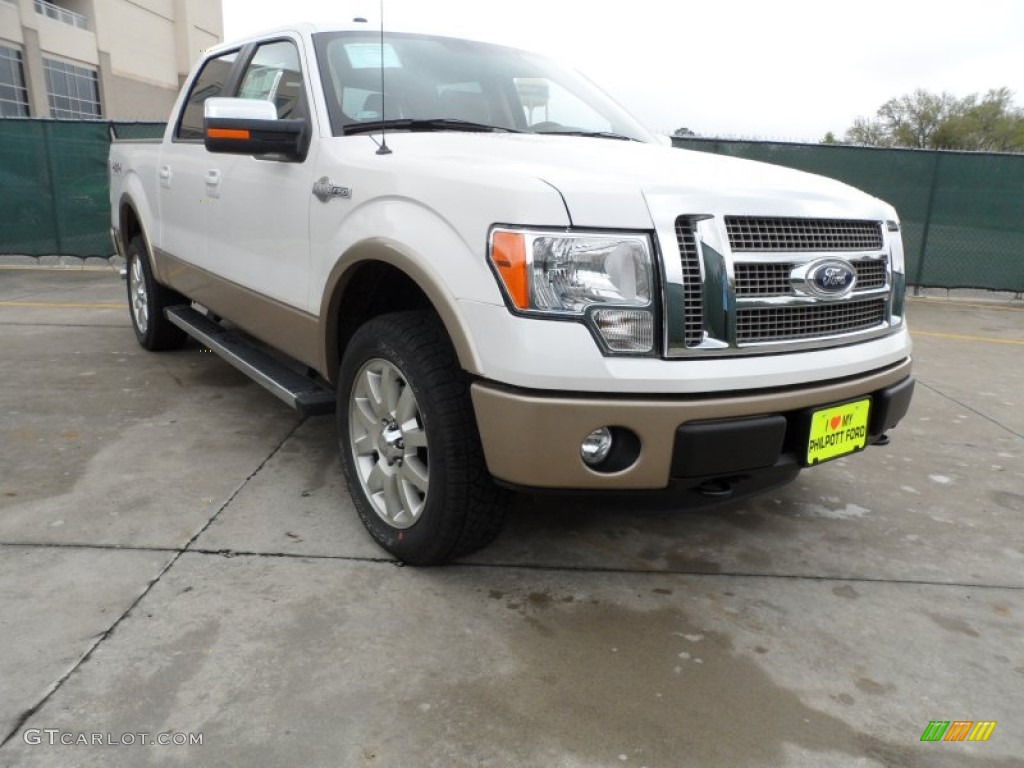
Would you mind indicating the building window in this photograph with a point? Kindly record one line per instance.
(73, 91)
(13, 94)
(54, 11)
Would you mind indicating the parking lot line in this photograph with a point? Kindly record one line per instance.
(966, 304)
(964, 337)
(65, 304)
(55, 268)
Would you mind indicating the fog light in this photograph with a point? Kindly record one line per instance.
(626, 330)
(596, 446)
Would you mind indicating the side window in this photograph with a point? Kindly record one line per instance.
(210, 82)
(274, 75)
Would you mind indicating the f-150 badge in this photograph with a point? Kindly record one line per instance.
(324, 190)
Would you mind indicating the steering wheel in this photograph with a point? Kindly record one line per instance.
(548, 126)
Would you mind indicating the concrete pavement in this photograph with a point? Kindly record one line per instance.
(178, 555)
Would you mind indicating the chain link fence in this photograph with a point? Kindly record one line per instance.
(54, 191)
(137, 130)
(962, 213)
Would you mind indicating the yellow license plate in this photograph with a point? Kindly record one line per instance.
(838, 430)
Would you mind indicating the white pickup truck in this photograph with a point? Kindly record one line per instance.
(496, 278)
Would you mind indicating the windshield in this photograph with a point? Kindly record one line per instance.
(428, 80)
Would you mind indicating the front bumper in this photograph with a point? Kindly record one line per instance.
(533, 440)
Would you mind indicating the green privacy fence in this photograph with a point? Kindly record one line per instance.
(53, 185)
(962, 213)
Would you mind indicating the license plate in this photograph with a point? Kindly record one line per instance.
(838, 430)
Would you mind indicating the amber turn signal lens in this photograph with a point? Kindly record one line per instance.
(227, 133)
(508, 253)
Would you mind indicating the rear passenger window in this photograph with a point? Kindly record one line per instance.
(274, 75)
(210, 82)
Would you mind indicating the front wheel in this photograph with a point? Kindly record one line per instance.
(147, 300)
(409, 443)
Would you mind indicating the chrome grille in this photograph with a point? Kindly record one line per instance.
(870, 273)
(755, 233)
(772, 279)
(693, 297)
(763, 324)
(763, 279)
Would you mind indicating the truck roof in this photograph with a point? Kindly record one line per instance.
(306, 28)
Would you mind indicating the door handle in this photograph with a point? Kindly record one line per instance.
(165, 175)
(213, 177)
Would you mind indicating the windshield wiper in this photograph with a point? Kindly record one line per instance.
(595, 134)
(420, 124)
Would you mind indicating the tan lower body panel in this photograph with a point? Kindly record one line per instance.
(533, 440)
(286, 328)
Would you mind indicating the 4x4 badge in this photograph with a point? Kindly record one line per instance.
(324, 190)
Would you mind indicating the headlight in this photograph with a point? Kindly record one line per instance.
(584, 275)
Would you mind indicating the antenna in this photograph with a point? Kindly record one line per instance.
(383, 149)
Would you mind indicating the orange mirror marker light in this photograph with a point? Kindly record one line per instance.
(227, 133)
(508, 252)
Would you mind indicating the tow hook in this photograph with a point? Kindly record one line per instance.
(716, 489)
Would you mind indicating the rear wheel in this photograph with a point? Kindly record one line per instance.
(409, 442)
(147, 300)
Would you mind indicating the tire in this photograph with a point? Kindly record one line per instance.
(147, 300)
(409, 443)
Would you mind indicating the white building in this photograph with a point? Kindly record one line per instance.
(115, 59)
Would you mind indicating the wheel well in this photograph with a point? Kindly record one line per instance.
(374, 288)
(130, 225)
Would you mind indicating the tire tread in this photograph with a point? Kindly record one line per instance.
(473, 505)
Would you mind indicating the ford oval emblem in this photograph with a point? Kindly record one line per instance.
(831, 277)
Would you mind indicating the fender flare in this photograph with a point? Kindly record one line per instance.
(128, 201)
(396, 255)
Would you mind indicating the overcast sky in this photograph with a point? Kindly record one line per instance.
(784, 69)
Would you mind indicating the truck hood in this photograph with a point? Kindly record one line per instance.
(608, 182)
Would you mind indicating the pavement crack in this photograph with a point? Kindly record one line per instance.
(228, 553)
(551, 568)
(973, 410)
(295, 556)
(245, 482)
(101, 637)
